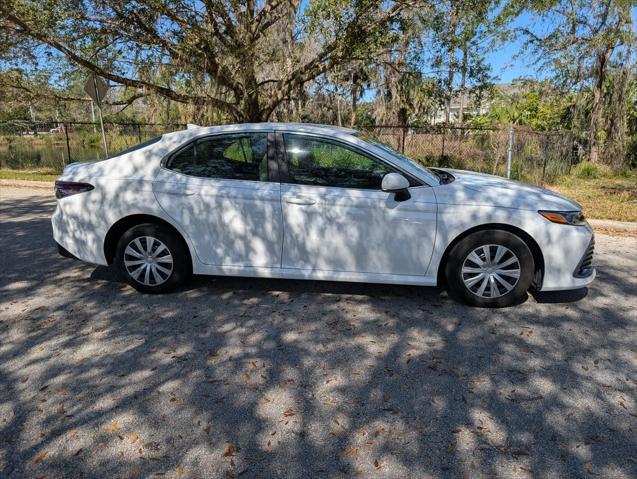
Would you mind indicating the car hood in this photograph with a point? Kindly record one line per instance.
(470, 188)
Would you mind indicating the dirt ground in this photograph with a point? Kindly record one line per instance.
(233, 377)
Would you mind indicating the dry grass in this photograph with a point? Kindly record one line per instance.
(41, 174)
(608, 197)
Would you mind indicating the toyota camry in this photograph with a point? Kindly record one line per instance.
(301, 201)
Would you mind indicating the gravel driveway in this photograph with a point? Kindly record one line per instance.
(234, 377)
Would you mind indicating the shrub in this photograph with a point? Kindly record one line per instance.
(586, 170)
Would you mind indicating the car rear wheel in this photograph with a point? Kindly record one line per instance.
(490, 269)
(152, 258)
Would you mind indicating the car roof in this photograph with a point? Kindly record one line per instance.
(195, 130)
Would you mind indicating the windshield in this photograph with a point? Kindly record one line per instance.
(400, 158)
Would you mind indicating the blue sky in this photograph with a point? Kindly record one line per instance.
(506, 67)
(507, 62)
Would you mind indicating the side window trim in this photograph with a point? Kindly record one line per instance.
(284, 161)
(272, 173)
(281, 159)
(274, 166)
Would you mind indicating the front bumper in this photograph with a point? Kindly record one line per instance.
(585, 266)
(569, 259)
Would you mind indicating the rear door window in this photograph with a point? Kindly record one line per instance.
(233, 157)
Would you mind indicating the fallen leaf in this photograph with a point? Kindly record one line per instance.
(61, 409)
(456, 431)
(133, 437)
(207, 429)
(152, 446)
(231, 451)
(40, 457)
(289, 413)
(519, 453)
(180, 471)
(113, 427)
(376, 464)
(352, 452)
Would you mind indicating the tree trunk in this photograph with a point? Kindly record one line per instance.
(463, 81)
(596, 111)
(449, 92)
(452, 53)
(354, 99)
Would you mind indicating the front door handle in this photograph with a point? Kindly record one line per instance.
(300, 200)
(176, 192)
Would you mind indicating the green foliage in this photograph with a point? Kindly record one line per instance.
(586, 170)
(534, 104)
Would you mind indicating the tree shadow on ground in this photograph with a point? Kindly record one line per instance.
(234, 377)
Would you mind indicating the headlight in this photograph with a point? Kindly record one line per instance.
(565, 217)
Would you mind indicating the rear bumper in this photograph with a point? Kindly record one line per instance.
(75, 233)
(63, 252)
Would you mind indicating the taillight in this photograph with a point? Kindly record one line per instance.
(68, 188)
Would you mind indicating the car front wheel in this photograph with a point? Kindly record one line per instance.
(152, 258)
(490, 269)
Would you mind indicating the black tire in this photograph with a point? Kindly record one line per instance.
(462, 250)
(180, 269)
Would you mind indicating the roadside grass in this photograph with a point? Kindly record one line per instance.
(40, 174)
(605, 197)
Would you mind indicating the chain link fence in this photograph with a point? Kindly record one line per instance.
(49, 145)
(536, 157)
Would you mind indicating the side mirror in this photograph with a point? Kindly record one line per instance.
(397, 184)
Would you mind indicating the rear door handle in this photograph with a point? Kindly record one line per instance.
(300, 200)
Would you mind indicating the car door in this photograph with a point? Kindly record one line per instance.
(219, 188)
(337, 219)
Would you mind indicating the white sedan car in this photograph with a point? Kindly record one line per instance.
(316, 202)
